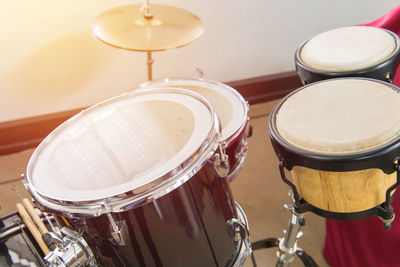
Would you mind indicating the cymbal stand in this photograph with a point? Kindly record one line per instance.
(287, 245)
(149, 66)
(148, 15)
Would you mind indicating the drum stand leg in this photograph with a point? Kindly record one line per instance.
(288, 244)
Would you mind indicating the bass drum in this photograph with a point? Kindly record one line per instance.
(231, 109)
(143, 177)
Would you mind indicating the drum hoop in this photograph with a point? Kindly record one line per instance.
(244, 116)
(128, 200)
(241, 251)
(381, 157)
(301, 64)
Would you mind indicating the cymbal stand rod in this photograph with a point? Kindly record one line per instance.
(146, 10)
(149, 66)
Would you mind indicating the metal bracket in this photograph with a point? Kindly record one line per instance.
(242, 153)
(239, 233)
(119, 230)
(237, 230)
(386, 213)
(72, 251)
(221, 162)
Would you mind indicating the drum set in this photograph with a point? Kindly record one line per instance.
(143, 178)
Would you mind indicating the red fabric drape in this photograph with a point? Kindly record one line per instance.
(363, 243)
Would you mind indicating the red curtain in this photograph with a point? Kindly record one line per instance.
(363, 243)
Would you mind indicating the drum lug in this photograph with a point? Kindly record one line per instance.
(220, 161)
(119, 230)
(388, 77)
(243, 150)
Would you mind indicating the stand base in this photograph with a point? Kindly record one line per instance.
(307, 260)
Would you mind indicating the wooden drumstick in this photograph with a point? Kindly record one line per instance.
(32, 228)
(31, 210)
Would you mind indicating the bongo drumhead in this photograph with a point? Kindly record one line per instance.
(229, 105)
(340, 116)
(121, 144)
(348, 48)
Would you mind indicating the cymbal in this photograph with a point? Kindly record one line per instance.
(126, 27)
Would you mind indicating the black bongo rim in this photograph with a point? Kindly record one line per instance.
(382, 157)
(349, 73)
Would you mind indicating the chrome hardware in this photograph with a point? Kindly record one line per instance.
(71, 250)
(220, 161)
(237, 230)
(242, 153)
(53, 240)
(240, 235)
(119, 230)
(288, 244)
(240, 225)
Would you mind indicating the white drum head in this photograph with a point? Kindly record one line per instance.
(348, 48)
(340, 116)
(229, 105)
(119, 145)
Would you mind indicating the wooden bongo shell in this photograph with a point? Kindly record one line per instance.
(345, 183)
(351, 191)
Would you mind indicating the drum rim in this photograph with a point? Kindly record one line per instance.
(244, 116)
(292, 156)
(300, 63)
(128, 200)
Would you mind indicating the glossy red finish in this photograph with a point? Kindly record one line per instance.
(236, 150)
(186, 227)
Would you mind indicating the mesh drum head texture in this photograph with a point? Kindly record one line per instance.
(119, 145)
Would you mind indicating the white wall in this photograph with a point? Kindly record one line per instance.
(50, 61)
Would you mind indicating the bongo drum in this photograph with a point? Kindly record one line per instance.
(231, 109)
(340, 140)
(142, 177)
(355, 51)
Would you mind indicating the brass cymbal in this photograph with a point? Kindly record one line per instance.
(126, 27)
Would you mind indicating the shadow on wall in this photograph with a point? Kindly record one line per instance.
(61, 67)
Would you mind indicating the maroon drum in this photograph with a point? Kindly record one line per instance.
(231, 109)
(143, 178)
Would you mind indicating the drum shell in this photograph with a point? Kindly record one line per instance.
(383, 71)
(343, 192)
(235, 142)
(236, 150)
(184, 227)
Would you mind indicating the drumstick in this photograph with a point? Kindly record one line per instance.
(31, 210)
(32, 228)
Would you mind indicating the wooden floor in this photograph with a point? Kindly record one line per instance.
(258, 189)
